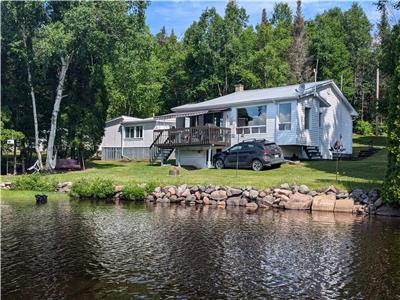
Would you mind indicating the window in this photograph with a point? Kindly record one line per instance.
(285, 116)
(214, 119)
(139, 132)
(252, 120)
(134, 132)
(307, 117)
(235, 149)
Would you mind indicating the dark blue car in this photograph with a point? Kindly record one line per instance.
(255, 154)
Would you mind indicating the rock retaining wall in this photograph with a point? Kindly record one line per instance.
(283, 197)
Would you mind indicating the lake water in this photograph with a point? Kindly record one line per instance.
(88, 250)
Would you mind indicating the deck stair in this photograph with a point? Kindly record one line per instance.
(158, 153)
(313, 152)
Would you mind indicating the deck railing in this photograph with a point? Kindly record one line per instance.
(193, 136)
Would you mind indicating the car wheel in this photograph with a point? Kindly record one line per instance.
(256, 165)
(219, 164)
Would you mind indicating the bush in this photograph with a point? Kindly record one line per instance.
(150, 186)
(92, 188)
(33, 182)
(364, 127)
(134, 192)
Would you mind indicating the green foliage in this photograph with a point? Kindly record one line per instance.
(391, 190)
(150, 186)
(92, 188)
(364, 128)
(133, 192)
(34, 182)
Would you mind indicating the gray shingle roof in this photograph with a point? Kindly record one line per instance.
(269, 94)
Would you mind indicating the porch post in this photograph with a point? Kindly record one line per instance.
(209, 163)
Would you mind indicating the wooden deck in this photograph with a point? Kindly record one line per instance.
(192, 136)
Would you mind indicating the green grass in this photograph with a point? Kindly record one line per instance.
(30, 195)
(365, 173)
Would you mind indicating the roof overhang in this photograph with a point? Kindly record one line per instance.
(187, 114)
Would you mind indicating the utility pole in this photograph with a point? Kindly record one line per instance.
(377, 102)
(341, 82)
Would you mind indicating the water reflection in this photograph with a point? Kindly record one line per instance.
(69, 249)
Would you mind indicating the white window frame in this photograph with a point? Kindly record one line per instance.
(253, 126)
(133, 129)
(279, 121)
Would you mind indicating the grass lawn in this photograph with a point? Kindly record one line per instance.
(365, 173)
(29, 195)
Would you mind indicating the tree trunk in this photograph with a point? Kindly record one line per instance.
(35, 122)
(51, 159)
(15, 158)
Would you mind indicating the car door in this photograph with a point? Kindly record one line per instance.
(233, 156)
(247, 153)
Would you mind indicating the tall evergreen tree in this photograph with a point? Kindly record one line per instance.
(298, 56)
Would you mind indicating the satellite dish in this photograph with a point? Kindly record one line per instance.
(301, 88)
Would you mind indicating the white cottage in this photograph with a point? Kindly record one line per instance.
(129, 137)
(305, 120)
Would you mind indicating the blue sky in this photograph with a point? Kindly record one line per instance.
(180, 14)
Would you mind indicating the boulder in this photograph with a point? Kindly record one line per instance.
(252, 205)
(218, 195)
(235, 192)
(202, 188)
(173, 199)
(243, 201)
(331, 189)
(356, 194)
(373, 195)
(303, 189)
(299, 201)
(233, 201)
(206, 201)
(197, 195)
(285, 186)
(378, 203)
(204, 195)
(262, 194)
(324, 203)
(185, 193)
(181, 189)
(172, 190)
(344, 205)
(118, 188)
(150, 198)
(285, 192)
(246, 194)
(313, 193)
(342, 195)
(283, 197)
(387, 210)
(253, 194)
(194, 188)
(209, 190)
(190, 198)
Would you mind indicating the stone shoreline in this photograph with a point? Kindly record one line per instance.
(295, 197)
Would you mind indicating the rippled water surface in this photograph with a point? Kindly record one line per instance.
(67, 249)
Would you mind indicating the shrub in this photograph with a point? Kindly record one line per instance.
(92, 188)
(364, 127)
(150, 186)
(133, 192)
(33, 182)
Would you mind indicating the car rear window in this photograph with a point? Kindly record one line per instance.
(271, 146)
